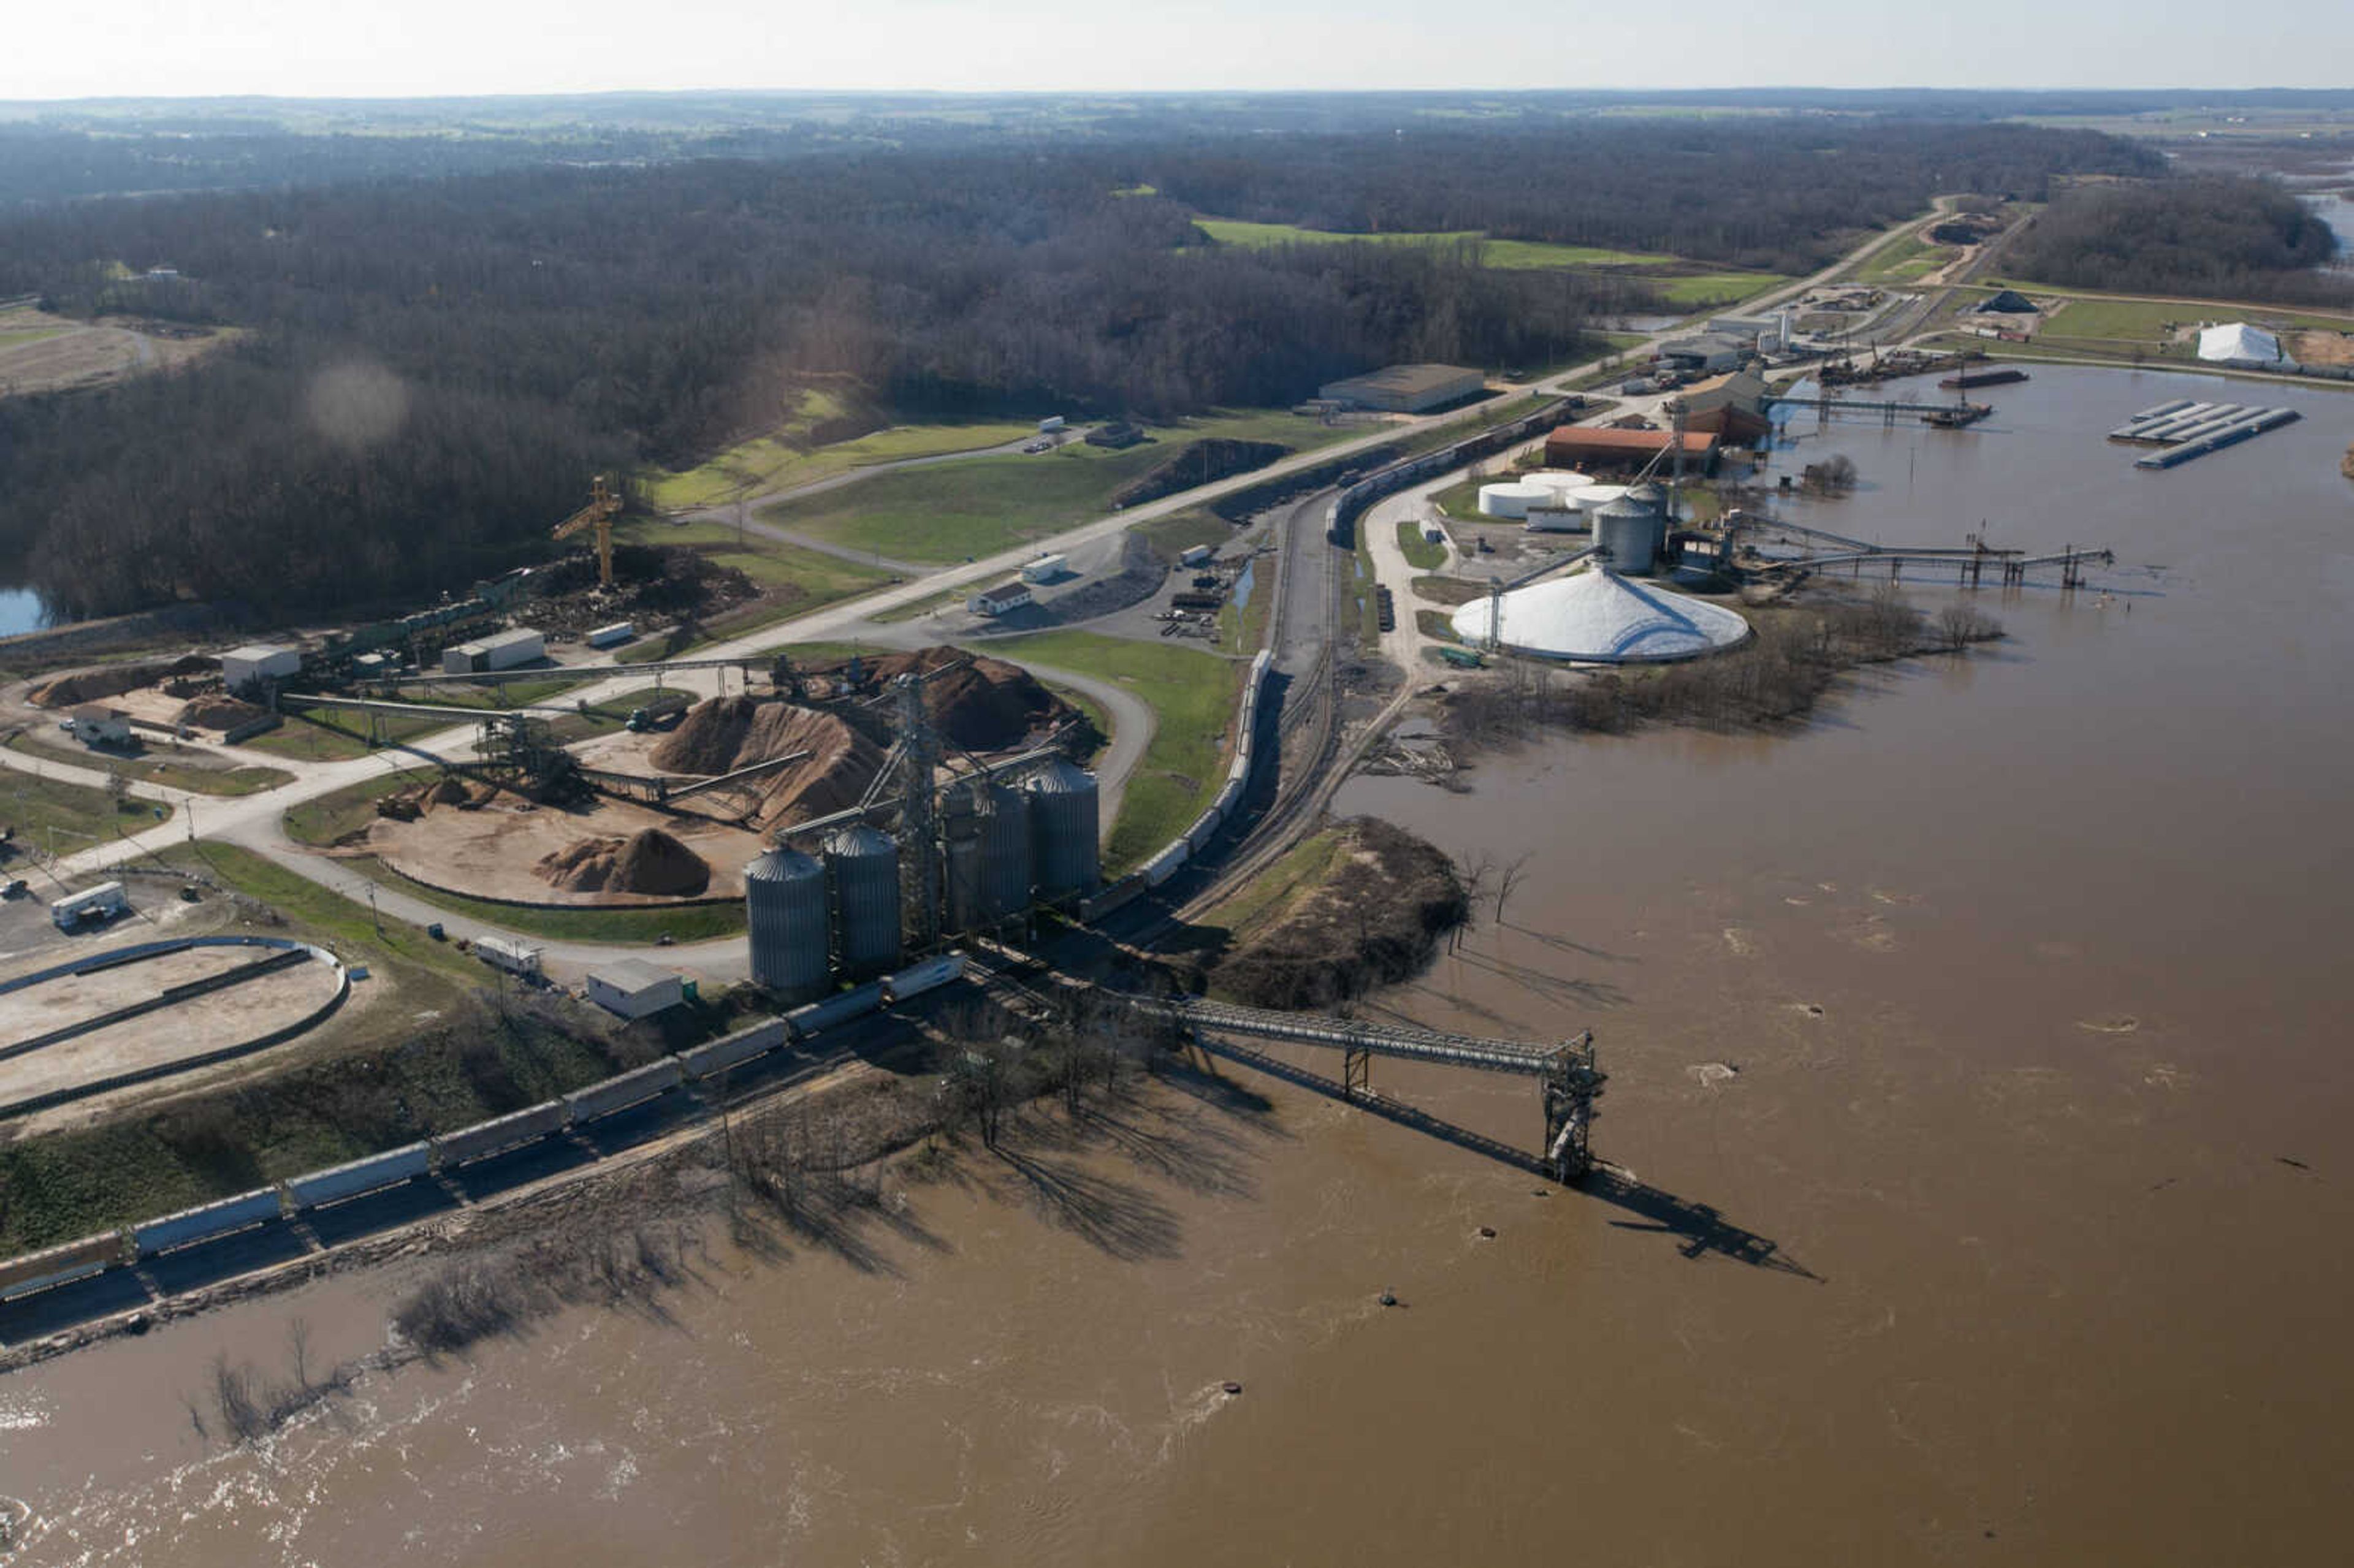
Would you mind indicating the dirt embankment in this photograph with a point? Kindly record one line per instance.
(1375, 917)
(1204, 462)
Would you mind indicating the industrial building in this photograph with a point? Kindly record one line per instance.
(633, 989)
(1599, 616)
(1707, 353)
(1406, 389)
(95, 723)
(505, 650)
(241, 667)
(996, 600)
(1731, 405)
(1587, 446)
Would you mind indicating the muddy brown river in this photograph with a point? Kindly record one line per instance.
(1980, 1075)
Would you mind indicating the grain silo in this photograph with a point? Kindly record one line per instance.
(1063, 829)
(784, 901)
(1629, 532)
(862, 873)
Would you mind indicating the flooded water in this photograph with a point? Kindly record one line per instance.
(1977, 1092)
(20, 610)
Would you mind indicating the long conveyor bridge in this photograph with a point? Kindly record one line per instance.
(1568, 1081)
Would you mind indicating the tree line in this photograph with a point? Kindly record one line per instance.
(427, 370)
(2226, 236)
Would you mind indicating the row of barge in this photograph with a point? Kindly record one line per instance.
(2184, 429)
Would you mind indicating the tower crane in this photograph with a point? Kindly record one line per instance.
(604, 503)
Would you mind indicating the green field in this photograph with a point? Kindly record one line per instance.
(958, 511)
(1420, 552)
(1518, 255)
(158, 768)
(777, 462)
(1193, 695)
(50, 813)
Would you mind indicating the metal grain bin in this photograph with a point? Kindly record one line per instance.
(1006, 858)
(784, 898)
(862, 874)
(1629, 532)
(1063, 830)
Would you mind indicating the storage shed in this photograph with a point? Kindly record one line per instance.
(999, 599)
(632, 988)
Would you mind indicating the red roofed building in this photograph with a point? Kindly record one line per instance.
(1596, 450)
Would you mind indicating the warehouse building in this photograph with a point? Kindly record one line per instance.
(1406, 389)
(241, 667)
(507, 650)
(1585, 447)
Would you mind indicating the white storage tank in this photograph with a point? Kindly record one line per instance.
(1513, 498)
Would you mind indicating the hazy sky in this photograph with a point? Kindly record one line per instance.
(334, 48)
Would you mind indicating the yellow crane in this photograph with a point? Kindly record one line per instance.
(604, 504)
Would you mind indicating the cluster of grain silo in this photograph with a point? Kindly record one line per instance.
(992, 845)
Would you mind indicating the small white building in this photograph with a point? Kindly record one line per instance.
(102, 902)
(507, 650)
(95, 723)
(1046, 569)
(996, 600)
(240, 667)
(634, 988)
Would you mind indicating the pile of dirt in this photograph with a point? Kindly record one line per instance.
(725, 734)
(988, 705)
(1375, 918)
(648, 861)
(96, 685)
(218, 711)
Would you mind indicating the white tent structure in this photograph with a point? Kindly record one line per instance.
(2246, 347)
(1599, 616)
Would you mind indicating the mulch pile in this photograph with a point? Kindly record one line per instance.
(648, 861)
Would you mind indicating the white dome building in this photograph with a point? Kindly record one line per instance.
(1599, 616)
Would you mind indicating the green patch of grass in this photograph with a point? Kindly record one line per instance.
(779, 461)
(1420, 552)
(1518, 255)
(325, 914)
(957, 511)
(50, 812)
(159, 767)
(1693, 291)
(1172, 536)
(1267, 898)
(686, 923)
(1193, 695)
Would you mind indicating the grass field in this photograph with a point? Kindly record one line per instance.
(1420, 552)
(1521, 255)
(957, 511)
(51, 813)
(1192, 697)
